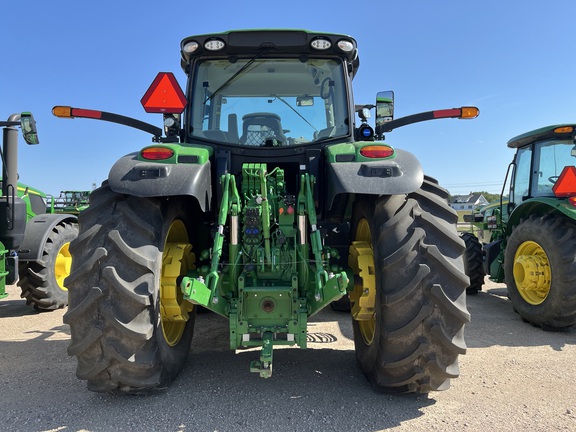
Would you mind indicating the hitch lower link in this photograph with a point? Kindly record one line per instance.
(264, 365)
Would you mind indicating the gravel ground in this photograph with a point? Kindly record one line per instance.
(514, 377)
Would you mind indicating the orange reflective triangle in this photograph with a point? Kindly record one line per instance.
(566, 183)
(164, 95)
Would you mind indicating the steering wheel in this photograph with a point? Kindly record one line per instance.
(553, 179)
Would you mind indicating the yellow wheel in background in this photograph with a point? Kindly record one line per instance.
(540, 270)
(63, 265)
(532, 272)
(42, 281)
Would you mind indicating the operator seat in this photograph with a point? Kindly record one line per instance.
(257, 128)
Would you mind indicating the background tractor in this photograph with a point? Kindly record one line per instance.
(263, 200)
(34, 237)
(528, 240)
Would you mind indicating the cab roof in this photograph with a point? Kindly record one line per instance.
(278, 41)
(546, 132)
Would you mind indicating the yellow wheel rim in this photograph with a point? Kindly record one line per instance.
(62, 265)
(532, 273)
(363, 297)
(177, 259)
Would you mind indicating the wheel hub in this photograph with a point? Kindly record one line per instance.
(62, 265)
(532, 273)
(363, 297)
(177, 259)
(364, 294)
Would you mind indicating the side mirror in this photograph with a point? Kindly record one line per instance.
(29, 130)
(384, 107)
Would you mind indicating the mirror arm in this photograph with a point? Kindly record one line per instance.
(420, 117)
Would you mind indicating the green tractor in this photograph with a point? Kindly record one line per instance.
(263, 201)
(34, 239)
(529, 238)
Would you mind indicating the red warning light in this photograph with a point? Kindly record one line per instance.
(164, 95)
(157, 153)
(566, 183)
(376, 151)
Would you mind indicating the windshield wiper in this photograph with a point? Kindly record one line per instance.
(237, 73)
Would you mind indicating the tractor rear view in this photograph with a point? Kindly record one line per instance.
(532, 234)
(263, 199)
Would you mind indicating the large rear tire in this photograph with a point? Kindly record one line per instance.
(540, 271)
(473, 263)
(412, 341)
(130, 329)
(42, 281)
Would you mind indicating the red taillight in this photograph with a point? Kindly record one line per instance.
(157, 153)
(164, 95)
(566, 184)
(377, 151)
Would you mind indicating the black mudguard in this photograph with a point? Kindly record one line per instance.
(401, 175)
(37, 231)
(150, 179)
(491, 252)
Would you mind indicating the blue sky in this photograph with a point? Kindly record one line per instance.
(496, 54)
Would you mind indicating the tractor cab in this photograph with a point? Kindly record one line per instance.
(291, 91)
(544, 164)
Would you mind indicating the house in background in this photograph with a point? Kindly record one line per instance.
(467, 203)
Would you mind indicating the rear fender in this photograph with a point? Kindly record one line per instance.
(401, 175)
(131, 176)
(540, 206)
(37, 231)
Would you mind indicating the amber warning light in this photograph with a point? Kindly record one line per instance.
(164, 95)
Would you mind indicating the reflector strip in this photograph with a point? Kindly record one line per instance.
(454, 112)
(86, 113)
(566, 183)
